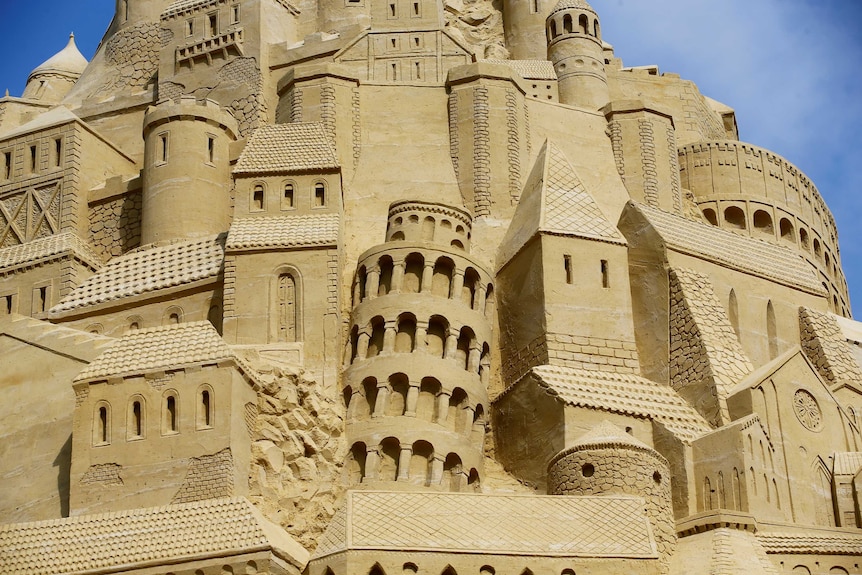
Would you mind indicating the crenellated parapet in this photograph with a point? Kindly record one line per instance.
(751, 190)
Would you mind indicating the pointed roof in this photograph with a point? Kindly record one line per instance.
(283, 148)
(555, 202)
(139, 538)
(147, 350)
(68, 62)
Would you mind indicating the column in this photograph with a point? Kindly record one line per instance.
(397, 276)
(457, 285)
(473, 357)
(351, 409)
(437, 469)
(372, 283)
(479, 304)
(404, 462)
(443, 406)
(421, 334)
(451, 345)
(357, 292)
(382, 400)
(412, 399)
(389, 337)
(469, 413)
(427, 277)
(372, 463)
(362, 345)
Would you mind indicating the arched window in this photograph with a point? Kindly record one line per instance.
(709, 215)
(733, 312)
(428, 225)
(170, 413)
(414, 265)
(386, 266)
(441, 281)
(553, 29)
(584, 24)
(369, 388)
(376, 570)
(400, 386)
(405, 334)
(355, 467)
(390, 453)
(597, 29)
(287, 324)
(707, 494)
(785, 227)
(375, 344)
(420, 463)
(319, 195)
(435, 340)
(803, 238)
(257, 198)
(288, 197)
(771, 330)
(567, 24)
(763, 222)
(173, 316)
(735, 217)
(135, 418)
(737, 497)
(817, 251)
(102, 424)
(426, 405)
(205, 408)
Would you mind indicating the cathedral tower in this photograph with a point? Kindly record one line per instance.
(575, 47)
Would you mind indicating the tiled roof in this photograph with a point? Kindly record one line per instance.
(530, 69)
(572, 4)
(848, 463)
(283, 231)
(280, 148)
(555, 201)
(157, 535)
(624, 393)
(147, 350)
(811, 543)
(733, 250)
(148, 270)
(51, 247)
(534, 525)
(178, 6)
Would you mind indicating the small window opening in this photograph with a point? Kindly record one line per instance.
(134, 326)
(394, 71)
(163, 148)
(606, 280)
(319, 195)
(567, 264)
(8, 306)
(588, 470)
(212, 19)
(41, 298)
(125, 10)
(287, 199)
(416, 41)
(392, 9)
(190, 27)
(137, 426)
(58, 152)
(32, 158)
(102, 434)
(210, 149)
(206, 412)
(417, 70)
(234, 14)
(416, 9)
(7, 165)
(257, 198)
(534, 6)
(393, 42)
(171, 414)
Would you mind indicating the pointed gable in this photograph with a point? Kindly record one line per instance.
(555, 201)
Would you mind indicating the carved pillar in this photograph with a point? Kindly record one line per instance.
(382, 400)
(443, 406)
(470, 411)
(421, 333)
(412, 399)
(372, 463)
(362, 345)
(351, 409)
(485, 370)
(427, 277)
(457, 285)
(397, 276)
(389, 337)
(479, 303)
(473, 357)
(357, 292)
(404, 462)
(437, 469)
(372, 283)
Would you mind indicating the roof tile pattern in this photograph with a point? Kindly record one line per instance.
(510, 524)
(147, 350)
(624, 393)
(530, 69)
(732, 250)
(148, 270)
(51, 247)
(178, 6)
(848, 463)
(568, 207)
(284, 231)
(810, 543)
(282, 148)
(92, 542)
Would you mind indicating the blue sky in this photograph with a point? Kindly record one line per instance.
(790, 68)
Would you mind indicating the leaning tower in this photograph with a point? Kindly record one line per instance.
(418, 358)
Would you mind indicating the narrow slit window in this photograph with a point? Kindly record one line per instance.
(212, 19)
(415, 9)
(8, 305)
(392, 9)
(606, 280)
(137, 422)
(394, 71)
(41, 297)
(190, 27)
(58, 152)
(257, 198)
(534, 6)
(567, 265)
(394, 43)
(206, 412)
(171, 414)
(416, 42)
(418, 70)
(163, 148)
(32, 158)
(210, 149)
(287, 199)
(102, 426)
(234, 14)
(319, 195)
(7, 165)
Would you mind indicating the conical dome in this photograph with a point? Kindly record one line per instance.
(68, 62)
(572, 5)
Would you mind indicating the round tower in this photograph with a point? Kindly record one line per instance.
(608, 461)
(186, 188)
(52, 80)
(523, 23)
(417, 363)
(575, 47)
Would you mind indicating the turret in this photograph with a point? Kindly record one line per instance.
(523, 21)
(53, 79)
(575, 47)
(186, 170)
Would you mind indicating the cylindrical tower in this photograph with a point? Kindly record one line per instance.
(186, 190)
(607, 461)
(523, 23)
(575, 47)
(417, 363)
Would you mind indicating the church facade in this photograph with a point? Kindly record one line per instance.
(419, 287)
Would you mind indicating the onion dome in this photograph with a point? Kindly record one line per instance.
(67, 62)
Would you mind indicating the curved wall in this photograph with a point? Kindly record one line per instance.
(754, 191)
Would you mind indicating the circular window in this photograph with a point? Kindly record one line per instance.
(588, 470)
(807, 411)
